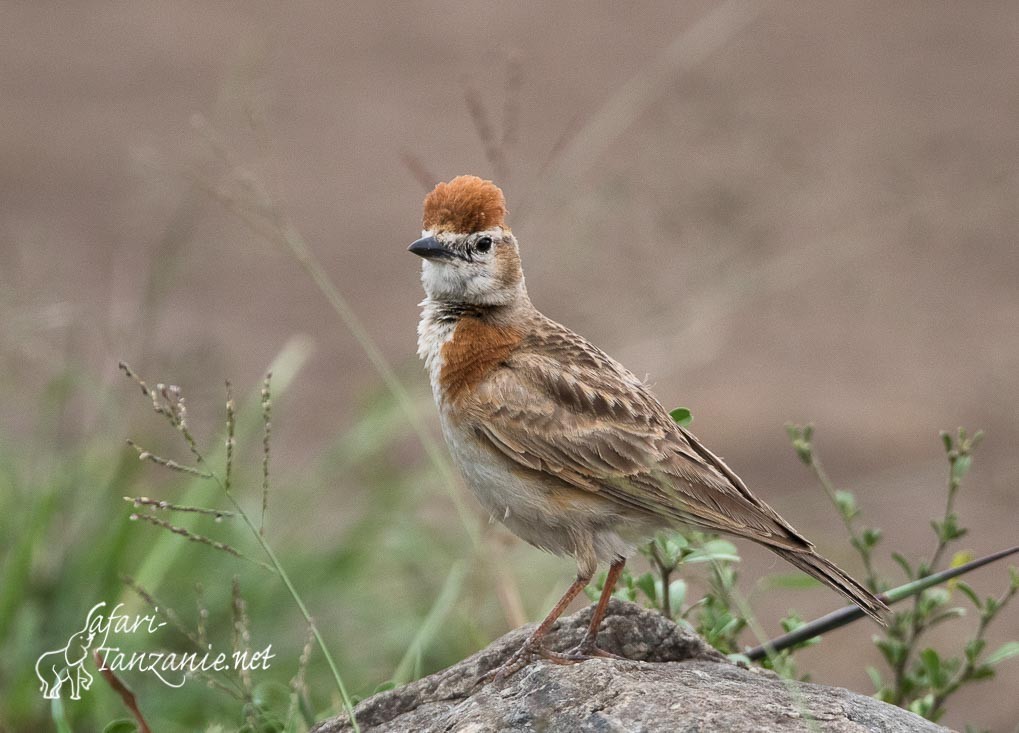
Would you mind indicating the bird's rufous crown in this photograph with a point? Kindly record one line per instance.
(465, 205)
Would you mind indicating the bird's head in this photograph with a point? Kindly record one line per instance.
(470, 255)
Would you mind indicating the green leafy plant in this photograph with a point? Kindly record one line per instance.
(922, 678)
(918, 677)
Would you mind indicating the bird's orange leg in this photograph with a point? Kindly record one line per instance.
(587, 648)
(532, 646)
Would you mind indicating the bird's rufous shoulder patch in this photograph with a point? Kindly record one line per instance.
(465, 205)
(474, 351)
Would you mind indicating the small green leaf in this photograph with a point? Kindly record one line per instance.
(949, 529)
(946, 438)
(646, 583)
(875, 677)
(931, 661)
(983, 672)
(922, 705)
(708, 555)
(961, 466)
(57, 713)
(121, 726)
(677, 594)
(846, 503)
(991, 606)
(946, 615)
(870, 536)
(974, 647)
(964, 588)
(799, 438)
(718, 547)
(791, 622)
(894, 651)
(1003, 652)
(681, 416)
(932, 599)
(271, 696)
(904, 564)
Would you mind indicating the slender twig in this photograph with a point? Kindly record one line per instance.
(689, 49)
(126, 695)
(418, 170)
(845, 616)
(485, 131)
(511, 102)
(969, 667)
(916, 626)
(231, 427)
(665, 570)
(857, 539)
(266, 437)
(280, 231)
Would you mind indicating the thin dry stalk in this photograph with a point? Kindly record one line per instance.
(139, 501)
(130, 701)
(168, 401)
(418, 170)
(145, 455)
(231, 427)
(690, 48)
(203, 615)
(298, 684)
(266, 438)
(200, 539)
(199, 641)
(511, 101)
(486, 132)
(241, 636)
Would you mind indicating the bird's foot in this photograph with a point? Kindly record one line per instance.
(580, 653)
(520, 659)
(531, 649)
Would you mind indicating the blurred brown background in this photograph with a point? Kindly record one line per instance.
(815, 221)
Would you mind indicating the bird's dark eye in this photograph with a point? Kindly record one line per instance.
(484, 244)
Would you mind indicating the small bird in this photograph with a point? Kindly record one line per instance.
(558, 441)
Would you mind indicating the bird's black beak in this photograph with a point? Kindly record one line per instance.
(430, 248)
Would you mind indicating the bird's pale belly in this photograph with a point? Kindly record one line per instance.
(541, 509)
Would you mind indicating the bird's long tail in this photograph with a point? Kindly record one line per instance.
(831, 575)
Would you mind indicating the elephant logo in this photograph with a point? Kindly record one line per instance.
(66, 666)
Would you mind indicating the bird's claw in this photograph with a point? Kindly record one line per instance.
(580, 653)
(526, 654)
(520, 659)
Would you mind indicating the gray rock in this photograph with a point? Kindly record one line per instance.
(675, 683)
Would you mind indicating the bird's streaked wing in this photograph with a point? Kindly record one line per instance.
(561, 406)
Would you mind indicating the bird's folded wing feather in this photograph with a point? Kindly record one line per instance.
(569, 410)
